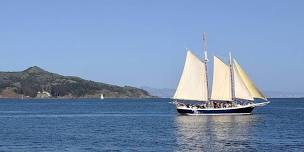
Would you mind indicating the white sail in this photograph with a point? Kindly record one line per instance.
(240, 89)
(221, 84)
(192, 85)
(254, 91)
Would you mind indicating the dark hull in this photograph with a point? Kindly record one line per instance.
(245, 110)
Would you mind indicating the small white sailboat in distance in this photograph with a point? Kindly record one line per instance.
(101, 97)
(232, 90)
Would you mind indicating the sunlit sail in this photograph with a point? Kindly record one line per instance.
(191, 85)
(221, 84)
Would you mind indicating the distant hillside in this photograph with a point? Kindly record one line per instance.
(284, 94)
(32, 80)
(163, 93)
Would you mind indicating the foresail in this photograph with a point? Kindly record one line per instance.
(192, 85)
(254, 91)
(221, 84)
(240, 89)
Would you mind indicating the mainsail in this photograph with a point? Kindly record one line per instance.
(253, 90)
(221, 84)
(192, 85)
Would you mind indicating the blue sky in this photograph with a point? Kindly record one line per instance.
(142, 43)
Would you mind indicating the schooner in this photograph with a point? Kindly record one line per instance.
(232, 91)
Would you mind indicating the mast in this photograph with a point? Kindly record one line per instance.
(205, 49)
(231, 76)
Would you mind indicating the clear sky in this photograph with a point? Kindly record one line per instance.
(142, 43)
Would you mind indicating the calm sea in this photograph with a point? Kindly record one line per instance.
(145, 125)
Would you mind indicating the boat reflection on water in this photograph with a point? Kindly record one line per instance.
(214, 133)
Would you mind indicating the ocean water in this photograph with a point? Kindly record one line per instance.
(145, 125)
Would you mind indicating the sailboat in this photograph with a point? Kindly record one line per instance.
(232, 91)
(101, 97)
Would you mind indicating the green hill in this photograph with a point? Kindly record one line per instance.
(34, 79)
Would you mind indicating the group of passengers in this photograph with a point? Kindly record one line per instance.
(212, 104)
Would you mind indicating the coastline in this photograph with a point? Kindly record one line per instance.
(114, 98)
